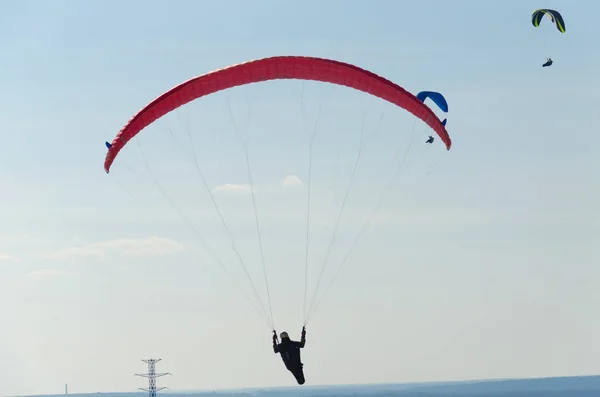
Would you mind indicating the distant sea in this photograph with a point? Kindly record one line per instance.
(579, 386)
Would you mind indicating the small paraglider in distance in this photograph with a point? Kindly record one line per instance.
(430, 140)
(438, 99)
(555, 17)
(290, 353)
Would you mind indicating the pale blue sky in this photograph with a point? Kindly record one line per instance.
(482, 268)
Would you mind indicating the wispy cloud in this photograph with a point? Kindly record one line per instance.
(291, 181)
(233, 188)
(133, 246)
(20, 239)
(47, 273)
(4, 257)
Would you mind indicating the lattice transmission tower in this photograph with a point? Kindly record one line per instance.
(152, 375)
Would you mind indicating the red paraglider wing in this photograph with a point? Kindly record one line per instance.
(281, 67)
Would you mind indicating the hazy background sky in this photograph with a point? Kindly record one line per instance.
(482, 261)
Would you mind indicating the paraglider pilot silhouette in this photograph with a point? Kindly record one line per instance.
(290, 353)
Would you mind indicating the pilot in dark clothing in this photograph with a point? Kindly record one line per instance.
(290, 353)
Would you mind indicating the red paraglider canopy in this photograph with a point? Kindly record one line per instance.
(280, 67)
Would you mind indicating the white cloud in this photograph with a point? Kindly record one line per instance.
(228, 187)
(291, 181)
(20, 238)
(4, 257)
(46, 273)
(132, 246)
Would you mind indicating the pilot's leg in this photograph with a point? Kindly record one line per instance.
(300, 377)
(298, 373)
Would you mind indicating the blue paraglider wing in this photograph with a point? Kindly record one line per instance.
(436, 97)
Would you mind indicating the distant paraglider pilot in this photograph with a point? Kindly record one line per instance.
(548, 62)
(290, 353)
(430, 140)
